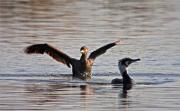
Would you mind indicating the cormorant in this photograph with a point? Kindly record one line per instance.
(126, 80)
(82, 68)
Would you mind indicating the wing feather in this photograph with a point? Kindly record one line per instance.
(51, 51)
(102, 50)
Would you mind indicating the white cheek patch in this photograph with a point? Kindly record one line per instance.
(82, 51)
(127, 69)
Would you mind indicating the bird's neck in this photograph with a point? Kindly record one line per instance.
(126, 78)
(83, 57)
(125, 74)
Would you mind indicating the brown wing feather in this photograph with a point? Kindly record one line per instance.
(102, 50)
(51, 51)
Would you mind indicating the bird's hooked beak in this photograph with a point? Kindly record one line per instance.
(135, 60)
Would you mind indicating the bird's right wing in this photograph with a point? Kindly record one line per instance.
(102, 50)
(51, 51)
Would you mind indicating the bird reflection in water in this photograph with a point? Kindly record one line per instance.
(124, 100)
(86, 89)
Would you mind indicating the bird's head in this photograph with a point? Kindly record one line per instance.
(84, 50)
(125, 62)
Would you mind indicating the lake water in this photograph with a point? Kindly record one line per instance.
(148, 29)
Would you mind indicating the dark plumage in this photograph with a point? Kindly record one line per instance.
(80, 68)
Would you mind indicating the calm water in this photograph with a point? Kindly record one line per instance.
(149, 29)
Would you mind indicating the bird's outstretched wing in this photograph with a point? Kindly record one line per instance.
(51, 51)
(102, 50)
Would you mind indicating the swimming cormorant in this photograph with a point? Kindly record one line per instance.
(126, 80)
(82, 68)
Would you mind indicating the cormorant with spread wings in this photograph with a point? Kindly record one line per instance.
(82, 68)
